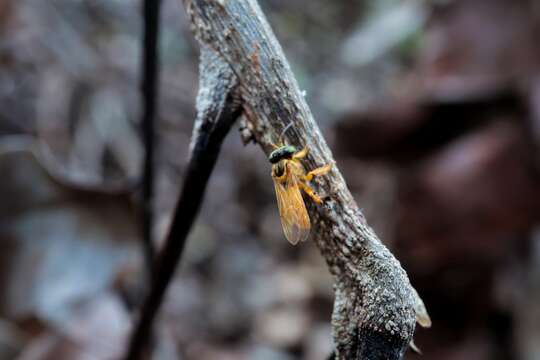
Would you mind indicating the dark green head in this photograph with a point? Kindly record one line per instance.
(284, 152)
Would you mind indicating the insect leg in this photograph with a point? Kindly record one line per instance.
(274, 145)
(317, 172)
(301, 154)
(310, 192)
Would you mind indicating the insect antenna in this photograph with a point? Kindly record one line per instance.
(281, 140)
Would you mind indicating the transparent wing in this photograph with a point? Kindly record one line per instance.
(292, 210)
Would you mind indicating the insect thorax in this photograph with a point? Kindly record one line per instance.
(284, 152)
(278, 169)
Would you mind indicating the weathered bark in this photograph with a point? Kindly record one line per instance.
(376, 307)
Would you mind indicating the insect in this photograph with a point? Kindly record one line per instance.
(290, 178)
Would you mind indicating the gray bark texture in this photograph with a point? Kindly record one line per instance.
(376, 308)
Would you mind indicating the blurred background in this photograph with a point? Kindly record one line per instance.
(431, 107)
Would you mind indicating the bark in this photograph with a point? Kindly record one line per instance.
(375, 307)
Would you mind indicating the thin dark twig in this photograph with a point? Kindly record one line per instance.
(206, 146)
(149, 88)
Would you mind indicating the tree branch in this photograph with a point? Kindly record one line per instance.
(217, 109)
(149, 87)
(375, 307)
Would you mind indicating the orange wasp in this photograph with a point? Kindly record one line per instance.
(289, 178)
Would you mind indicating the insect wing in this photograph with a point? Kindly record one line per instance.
(292, 210)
